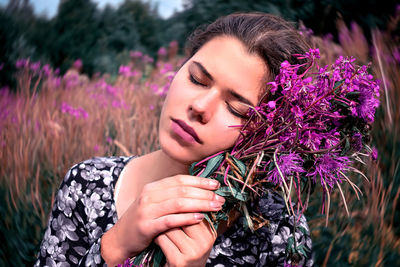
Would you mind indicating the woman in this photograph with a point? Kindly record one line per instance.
(229, 65)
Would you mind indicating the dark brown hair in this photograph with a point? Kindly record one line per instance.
(270, 37)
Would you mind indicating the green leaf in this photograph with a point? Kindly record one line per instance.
(354, 93)
(338, 84)
(346, 147)
(221, 216)
(192, 170)
(301, 249)
(220, 178)
(210, 221)
(212, 165)
(240, 165)
(226, 191)
(138, 259)
(289, 247)
(303, 230)
(340, 103)
(158, 257)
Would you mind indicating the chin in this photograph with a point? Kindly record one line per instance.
(183, 154)
(180, 154)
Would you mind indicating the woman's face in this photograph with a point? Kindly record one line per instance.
(210, 93)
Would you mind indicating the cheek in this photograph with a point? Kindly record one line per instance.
(174, 97)
(176, 92)
(225, 133)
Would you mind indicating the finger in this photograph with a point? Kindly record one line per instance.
(168, 247)
(168, 222)
(201, 231)
(180, 240)
(182, 205)
(184, 192)
(184, 180)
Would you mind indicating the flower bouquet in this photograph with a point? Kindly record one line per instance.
(309, 128)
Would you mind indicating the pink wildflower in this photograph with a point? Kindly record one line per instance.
(162, 51)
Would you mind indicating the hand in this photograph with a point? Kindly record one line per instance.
(162, 205)
(188, 245)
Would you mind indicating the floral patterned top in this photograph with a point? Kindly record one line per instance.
(84, 209)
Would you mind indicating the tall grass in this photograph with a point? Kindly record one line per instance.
(371, 235)
(53, 121)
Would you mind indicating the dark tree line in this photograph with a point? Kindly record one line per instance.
(102, 38)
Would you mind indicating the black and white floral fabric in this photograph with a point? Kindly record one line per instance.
(84, 209)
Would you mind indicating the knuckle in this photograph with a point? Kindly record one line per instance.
(181, 179)
(193, 255)
(146, 188)
(183, 191)
(143, 200)
(179, 204)
(168, 222)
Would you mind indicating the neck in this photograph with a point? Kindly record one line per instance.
(168, 166)
(158, 165)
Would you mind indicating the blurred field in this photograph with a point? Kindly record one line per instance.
(52, 121)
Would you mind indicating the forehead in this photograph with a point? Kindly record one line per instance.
(232, 66)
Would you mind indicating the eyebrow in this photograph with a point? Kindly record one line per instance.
(201, 67)
(230, 91)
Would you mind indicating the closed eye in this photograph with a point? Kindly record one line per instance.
(195, 81)
(236, 112)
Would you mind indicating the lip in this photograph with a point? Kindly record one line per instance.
(184, 131)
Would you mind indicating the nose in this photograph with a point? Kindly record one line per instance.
(204, 105)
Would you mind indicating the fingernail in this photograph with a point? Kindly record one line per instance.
(219, 198)
(214, 183)
(215, 204)
(198, 216)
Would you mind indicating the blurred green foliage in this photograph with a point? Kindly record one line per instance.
(101, 38)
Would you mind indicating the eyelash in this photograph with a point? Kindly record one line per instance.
(230, 108)
(235, 112)
(193, 80)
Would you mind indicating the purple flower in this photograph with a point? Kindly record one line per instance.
(146, 59)
(162, 51)
(166, 68)
(368, 102)
(125, 264)
(125, 70)
(173, 44)
(328, 167)
(35, 66)
(396, 55)
(46, 70)
(1, 66)
(65, 108)
(356, 142)
(136, 54)
(271, 104)
(76, 112)
(78, 64)
(274, 87)
(21, 63)
(83, 113)
(374, 153)
(313, 53)
(298, 113)
(288, 164)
